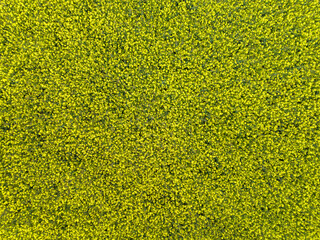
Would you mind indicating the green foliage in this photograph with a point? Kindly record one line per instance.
(165, 119)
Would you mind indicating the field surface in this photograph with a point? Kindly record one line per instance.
(159, 119)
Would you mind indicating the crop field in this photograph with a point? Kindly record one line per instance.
(159, 119)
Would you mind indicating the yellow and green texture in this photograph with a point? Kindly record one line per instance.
(160, 119)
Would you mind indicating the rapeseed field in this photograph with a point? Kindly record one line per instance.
(159, 119)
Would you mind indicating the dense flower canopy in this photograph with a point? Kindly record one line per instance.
(136, 119)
